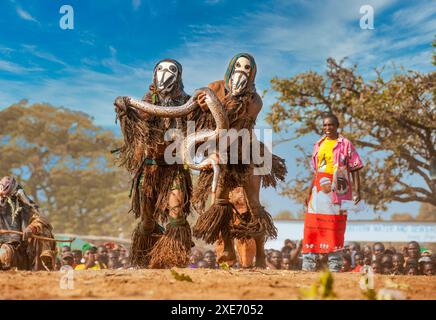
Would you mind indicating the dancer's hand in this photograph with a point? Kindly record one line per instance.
(201, 100)
(27, 233)
(120, 106)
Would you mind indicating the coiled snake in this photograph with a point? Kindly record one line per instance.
(218, 112)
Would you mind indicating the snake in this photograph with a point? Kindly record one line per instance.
(189, 142)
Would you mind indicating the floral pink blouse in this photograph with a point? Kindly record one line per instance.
(345, 160)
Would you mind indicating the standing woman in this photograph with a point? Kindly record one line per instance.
(335, 162)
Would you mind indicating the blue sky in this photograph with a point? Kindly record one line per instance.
(115, 44)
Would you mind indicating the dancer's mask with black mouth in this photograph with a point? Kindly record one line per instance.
(240, 74)
(167, 75)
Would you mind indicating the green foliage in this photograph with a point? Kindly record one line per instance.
(427, 212)
(402, 217)
(284, 215)
(434, 52)
(321, 289)
(64, 163)
(393, 120)
(180, 276)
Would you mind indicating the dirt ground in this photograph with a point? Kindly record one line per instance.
(207, 284)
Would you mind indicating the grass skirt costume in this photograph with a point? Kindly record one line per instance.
(16, 214)
(219, 219)
(153, 181)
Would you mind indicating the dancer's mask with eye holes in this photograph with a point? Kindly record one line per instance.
(166, 76)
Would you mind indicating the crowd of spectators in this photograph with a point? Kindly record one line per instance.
(411, 259)
(106, 256)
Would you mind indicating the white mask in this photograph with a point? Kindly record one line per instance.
(166, 76)
(240, 76)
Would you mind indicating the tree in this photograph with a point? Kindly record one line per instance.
(434, 53)
(394, 121)
(64, 163)
(427, 212)
(284, 215)
(402, 217)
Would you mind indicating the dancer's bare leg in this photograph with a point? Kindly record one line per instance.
(252, 193)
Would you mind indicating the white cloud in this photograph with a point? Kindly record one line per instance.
(79, 88)
(15, 68)
(32, 49)
(25, 15)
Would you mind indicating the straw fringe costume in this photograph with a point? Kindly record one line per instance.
(19, 213)
(221, 221)
(155, 184)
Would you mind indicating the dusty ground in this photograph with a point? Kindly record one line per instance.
(207, 284)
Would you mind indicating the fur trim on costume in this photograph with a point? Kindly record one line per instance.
(142, 242)
(261, 224)
(278, 173)
(213, 221)
(173, 248)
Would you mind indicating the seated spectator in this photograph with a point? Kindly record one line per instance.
(91, 262)
(428, 268)
(197, 252)
(275, 261)
(77, 255)
(286, 255)
(346, 263)
(397, 264)
(113, 258)
(376, 267)
(426, 253)
(386, 263)
(347, 249)
(389, 251)
(367, 252)
(102, 257)
(367, 260)
(65, 249)
(125, 263)
(289, 243)
(392, 250)
(354, 248)
(67, 259)
(378, 249)
(295, 255)
(288, 247)
(412, 267)
(286, 264)
(359, 262)
(109, 245)
(286, 251)
(210, 259)
(193, 261)
(413, 250)
(124, 253)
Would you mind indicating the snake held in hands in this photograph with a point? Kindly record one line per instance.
(188, 145)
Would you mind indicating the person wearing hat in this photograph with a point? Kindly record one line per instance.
(336, 166)
(67, 259)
